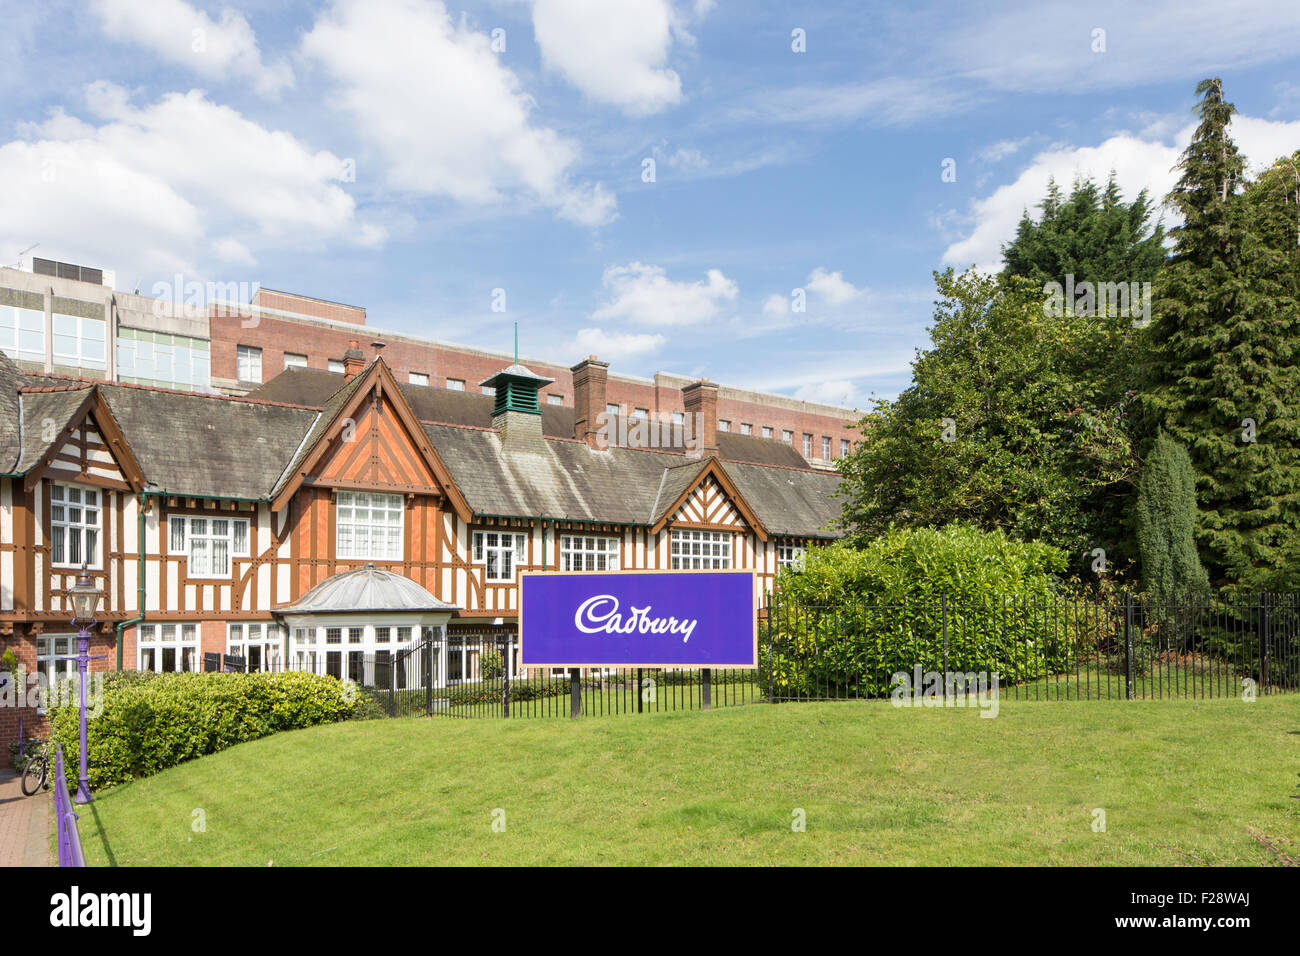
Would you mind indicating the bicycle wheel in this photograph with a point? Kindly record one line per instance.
(33, 776)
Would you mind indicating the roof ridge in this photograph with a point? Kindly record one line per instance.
(88, 382)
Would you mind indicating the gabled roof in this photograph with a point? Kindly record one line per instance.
(192, 444)
(338, 411)
(314, 387)
(52, 415)
(709, 468)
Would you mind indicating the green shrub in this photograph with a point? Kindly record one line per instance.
(848, 620)
(489, 691)
(149, 724)
(491, 665)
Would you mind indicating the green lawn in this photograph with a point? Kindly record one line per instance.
(1181, 782)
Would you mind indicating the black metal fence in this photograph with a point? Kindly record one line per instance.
(1061, 648)
(480, 677)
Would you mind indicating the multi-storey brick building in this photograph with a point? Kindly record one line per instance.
(60, 318)
(211, 522)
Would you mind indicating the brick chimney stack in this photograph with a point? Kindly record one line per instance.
(354, 360)
(701, 401)
(589, 378)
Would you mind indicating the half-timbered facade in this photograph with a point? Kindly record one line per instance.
(238, 525)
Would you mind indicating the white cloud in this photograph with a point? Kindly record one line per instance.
(447, 116)
(168, 186)
(894, 101)
(831, 287)
(644, 294)
(1048, 45)
(613, 346)
(179, 33)
(840, 392)
(996, 152)
(615, 53)
(1138, 163)
(776, 306)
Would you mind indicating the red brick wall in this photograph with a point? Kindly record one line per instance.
(33, 723)
(275, 336)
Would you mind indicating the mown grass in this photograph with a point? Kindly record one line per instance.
(1180, 782)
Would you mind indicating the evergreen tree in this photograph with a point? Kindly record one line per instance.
(1224, 374)
(1166, 523)
(1092, 234)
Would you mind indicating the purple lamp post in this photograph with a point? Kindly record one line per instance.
(85, 604)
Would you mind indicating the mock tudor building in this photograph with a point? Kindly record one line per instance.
(324, 518)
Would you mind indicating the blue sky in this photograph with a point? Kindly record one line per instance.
(399, 154)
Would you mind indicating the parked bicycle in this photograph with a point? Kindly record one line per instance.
(36, 774)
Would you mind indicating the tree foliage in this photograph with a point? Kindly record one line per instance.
(1091, 234)
(1006, 425)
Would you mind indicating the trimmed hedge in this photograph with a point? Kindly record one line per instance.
(149, 724)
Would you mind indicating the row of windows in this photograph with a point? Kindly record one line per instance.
(369, 527)
(787, 436)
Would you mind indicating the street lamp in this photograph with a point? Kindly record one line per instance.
(85, 605)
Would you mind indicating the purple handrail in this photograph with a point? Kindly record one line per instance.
(69, 839)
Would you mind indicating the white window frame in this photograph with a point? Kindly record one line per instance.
(384, 515)
(245, 356)
(335, 365)
(80, 530)
(158, 637)
(807, 445)
(694, 550)
(767, 431)
(417, 378)
(554, 399)
(787, 436)
(500, 553)
(583, 552)
(456, 384)
(845, 447)
(295, 360)
(196, 538)
(268, 636)
(789, 553)
(826, 448)
(724, 424)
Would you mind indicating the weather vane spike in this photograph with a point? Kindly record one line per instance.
(516, 343)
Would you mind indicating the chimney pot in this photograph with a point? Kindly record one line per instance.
(354, 360)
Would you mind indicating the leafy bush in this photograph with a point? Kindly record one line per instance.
(848, 620)
(150, 723)
(489, 691)
(491, 665)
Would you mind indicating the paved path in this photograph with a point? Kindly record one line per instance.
(24, 824)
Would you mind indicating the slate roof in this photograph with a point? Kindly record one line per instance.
(11, 378)
(40, 408)
(193, 444)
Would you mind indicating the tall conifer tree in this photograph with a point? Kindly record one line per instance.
(1225, 367)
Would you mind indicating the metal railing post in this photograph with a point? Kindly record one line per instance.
(706, 688)
(428, 677)
(575, 693)
(1128, 645)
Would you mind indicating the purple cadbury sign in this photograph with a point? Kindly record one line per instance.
(638, 619)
